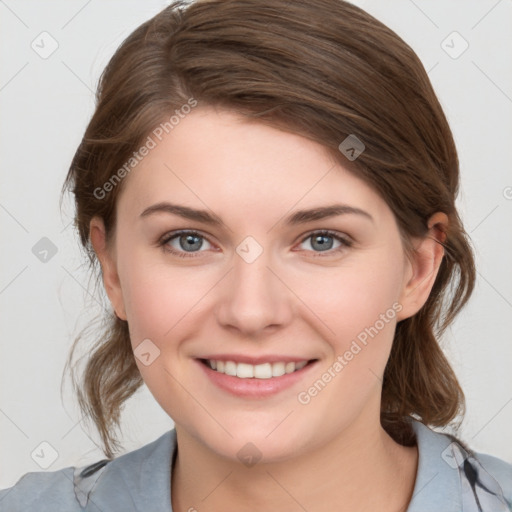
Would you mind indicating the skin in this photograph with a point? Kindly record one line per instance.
(294, 299)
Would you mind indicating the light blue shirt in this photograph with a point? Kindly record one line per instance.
(449, 479)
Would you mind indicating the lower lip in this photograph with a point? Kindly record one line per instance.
(255, 388)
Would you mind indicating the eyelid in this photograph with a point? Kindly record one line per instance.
(335, 234)
(169, 235)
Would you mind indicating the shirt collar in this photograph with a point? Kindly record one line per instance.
(139, 480)
(142, 478)
(437, 485)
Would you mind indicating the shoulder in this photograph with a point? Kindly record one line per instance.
(41, 491)
(500, 470)
(458, 477)
(72, 488)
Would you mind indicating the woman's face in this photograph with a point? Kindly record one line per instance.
(257, 285)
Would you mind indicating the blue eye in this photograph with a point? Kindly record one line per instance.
(188, 244)
(323, 241)
(184, 242)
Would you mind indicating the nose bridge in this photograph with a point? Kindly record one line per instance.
(254, 298)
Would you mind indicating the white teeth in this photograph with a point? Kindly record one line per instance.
(245, 371)
(258, 371)
(277, 369)
(263, 371)
(230, 368)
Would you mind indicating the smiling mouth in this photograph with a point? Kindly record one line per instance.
(255, 371)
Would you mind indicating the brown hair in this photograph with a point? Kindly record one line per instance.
(323, 69)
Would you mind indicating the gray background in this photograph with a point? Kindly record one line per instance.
(45, 298)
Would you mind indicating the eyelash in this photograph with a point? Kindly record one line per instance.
(345, 243)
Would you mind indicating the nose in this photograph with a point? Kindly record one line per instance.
(254, 298)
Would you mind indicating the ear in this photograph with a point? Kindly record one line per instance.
(423, 267)
(106, 257)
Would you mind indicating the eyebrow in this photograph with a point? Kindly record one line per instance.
(323, 212)
(296, 218)
(183, 211)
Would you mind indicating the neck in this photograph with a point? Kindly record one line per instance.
(361, 469)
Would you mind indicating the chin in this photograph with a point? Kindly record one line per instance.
(257, 441)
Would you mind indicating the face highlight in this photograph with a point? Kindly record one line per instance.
(249, 262)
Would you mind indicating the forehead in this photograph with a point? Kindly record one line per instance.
(218, 159)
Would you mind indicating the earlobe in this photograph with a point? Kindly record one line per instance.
(425, 261)
(111, 282)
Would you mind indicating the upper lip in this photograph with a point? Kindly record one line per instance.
(255, 360)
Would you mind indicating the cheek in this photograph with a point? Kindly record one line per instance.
(353, 296)
(157, 298)
(160, 304)
(356, 307)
